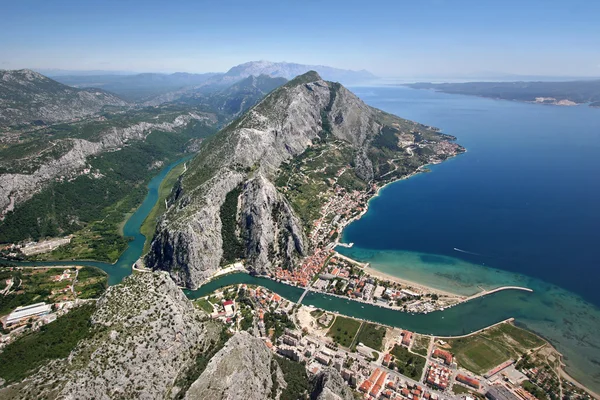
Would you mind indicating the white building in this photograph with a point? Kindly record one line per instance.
(22, 313)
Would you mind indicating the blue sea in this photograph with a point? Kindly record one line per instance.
(522, 206)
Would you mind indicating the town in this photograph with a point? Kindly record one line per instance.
(341, 200)
(380, 362)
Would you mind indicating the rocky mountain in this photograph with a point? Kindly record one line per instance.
(227, 205)
(145, 337)
(244, 94)
(291, 70)
(243, 369)
(82, 176)
(246, 369)
(146, 340)
(27, 97)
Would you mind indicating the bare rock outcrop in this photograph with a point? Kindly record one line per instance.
(329, 385)
(269, 225)
(243, 369)
(145, 335)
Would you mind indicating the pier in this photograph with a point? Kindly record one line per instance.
(486, 292)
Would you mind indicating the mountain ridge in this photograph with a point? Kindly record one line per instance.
(291, 70)
(29, 97)
(239, 165)
(150, 87)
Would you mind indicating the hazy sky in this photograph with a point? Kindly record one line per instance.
(390, 38)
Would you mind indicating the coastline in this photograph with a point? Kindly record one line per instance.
(421, 169)
(382, 275)
(386, 276)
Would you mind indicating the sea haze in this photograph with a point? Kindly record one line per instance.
(519, 208)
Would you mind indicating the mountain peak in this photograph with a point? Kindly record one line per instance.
(310, 76)
(25, 74)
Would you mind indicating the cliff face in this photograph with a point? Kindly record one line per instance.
(146, 335)
(26, 96)
(244, 159)
(246, 154)
(243, 369)
(18, 187)
(329, 385)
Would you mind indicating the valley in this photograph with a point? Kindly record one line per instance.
(82, 177)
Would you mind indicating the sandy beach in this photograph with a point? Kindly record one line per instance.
(382, 275)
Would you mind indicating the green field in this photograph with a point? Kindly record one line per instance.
(91, 283)
(483, 351)
(36, 285)
(459, 389)
(164, 190)
(421, 344)
(407, 363)
(343, 330)
(205, 305)
(371, 335)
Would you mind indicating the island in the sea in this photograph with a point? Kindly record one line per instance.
(556, 93)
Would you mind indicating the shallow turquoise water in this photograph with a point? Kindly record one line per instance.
(464, 318)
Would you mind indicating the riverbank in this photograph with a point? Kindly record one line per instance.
(149, 225)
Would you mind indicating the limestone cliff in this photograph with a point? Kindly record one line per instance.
(243, 369)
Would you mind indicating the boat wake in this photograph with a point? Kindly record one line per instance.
(468, 252)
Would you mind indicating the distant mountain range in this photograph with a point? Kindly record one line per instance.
(147, 86)
(559, 93)
(29, 98)
(291, 70)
